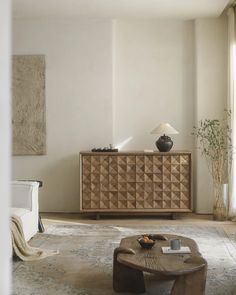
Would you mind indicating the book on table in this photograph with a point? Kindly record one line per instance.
(182, 250)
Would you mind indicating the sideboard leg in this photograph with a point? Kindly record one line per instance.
(97, 216)
(173, 216)
(126, 279)
(40, 225)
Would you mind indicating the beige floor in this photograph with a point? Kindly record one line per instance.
(190, 218)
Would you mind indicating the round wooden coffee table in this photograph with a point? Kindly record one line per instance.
(130, 260)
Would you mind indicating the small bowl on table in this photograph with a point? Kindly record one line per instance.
(146, 242)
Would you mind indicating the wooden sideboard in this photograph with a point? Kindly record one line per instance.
(135, 182)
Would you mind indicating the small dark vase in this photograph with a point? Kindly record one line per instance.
(164, 143)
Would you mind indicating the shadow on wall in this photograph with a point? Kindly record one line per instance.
(60, 191)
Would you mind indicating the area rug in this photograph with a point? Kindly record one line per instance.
(84, 265)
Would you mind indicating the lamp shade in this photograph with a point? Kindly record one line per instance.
(164, 128)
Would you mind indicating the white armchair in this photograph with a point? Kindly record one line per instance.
(24, 204)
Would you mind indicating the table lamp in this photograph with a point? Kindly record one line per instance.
(164, 143)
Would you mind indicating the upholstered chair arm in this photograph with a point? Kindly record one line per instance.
(25, 194)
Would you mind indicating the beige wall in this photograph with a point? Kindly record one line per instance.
(153, 66)
(115, 82)
(78, 102)
(211, 93)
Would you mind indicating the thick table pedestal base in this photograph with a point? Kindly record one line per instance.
(192, 283)
(126, 279)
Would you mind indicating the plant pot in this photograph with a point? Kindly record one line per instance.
(219, 213)
(220, 204)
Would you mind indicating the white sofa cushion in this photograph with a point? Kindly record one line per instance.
(19, 211)
(24, 194)
(25, 205)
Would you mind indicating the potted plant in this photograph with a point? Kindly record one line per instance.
(216, 146)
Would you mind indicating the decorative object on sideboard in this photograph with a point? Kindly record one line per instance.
(105, 149)
(215, 140)
(164, 142)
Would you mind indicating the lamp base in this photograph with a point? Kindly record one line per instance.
(164, 143)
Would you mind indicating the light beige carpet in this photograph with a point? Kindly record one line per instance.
(84, 265)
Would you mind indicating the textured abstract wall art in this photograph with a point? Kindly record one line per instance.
(28, 105)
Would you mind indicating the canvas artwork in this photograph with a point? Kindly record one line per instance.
(28, 105)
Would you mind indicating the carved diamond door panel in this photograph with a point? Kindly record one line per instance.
(135, 182)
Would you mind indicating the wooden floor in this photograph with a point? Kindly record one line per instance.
(182, 218)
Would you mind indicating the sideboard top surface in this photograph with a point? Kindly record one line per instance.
(174, 152)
